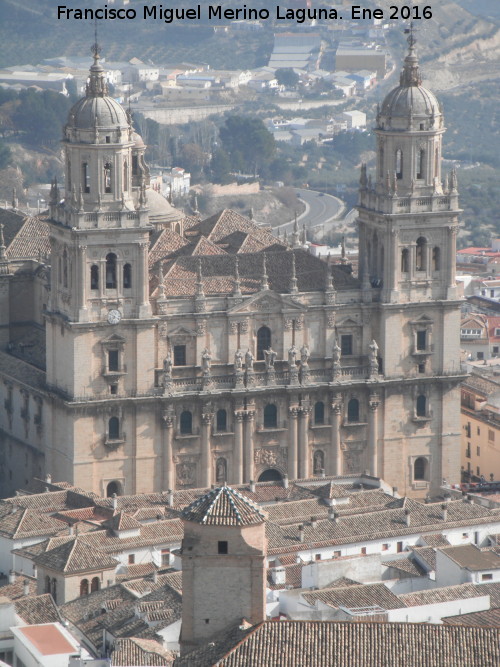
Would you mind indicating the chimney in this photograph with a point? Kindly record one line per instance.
(252, 486)
(394, 490)
(13, 509)
(155, 576)
(12, 577)
(301, 533)
(48, 478)
(444, 512)
(447, 498)
(314, 522)
(170, 498)
(115, 502)
(26, 587)
(285, 481)
(35, 570)
(407, 517)
(323, 474)
(278, 575)
(70, 530)
(333, 516)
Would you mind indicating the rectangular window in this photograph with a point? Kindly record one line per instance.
(421, 340)
(131, 559)
(467, 429)
(491, 435)
(399, 547)
(222, 547)
(465, 536)
(363, 551)
(495, 347)
(179, 355)
(113, 360)
(478, 431)
(317, 556)
(486, 577)
(165, 557)
(385, 547)
(467, 451)
(492, 293)
(478, 451)
(346, 345)
(421, 368)
(480, 356)
(337, 554)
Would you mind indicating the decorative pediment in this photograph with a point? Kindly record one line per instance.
(114, 338)
(181, 332)
(348, 322)
(266, 301)
(423, 319)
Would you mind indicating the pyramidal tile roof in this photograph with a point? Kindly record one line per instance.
(76, 556)
(224, 506)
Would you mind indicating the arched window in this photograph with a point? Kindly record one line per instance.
(353, 410)
(125, 176)
(186, 422)
(127, 276)
(399, 164)
(111, 271)
(405, 260)
(420, 255)
(436, 259)
(318, 462)
(319, 412)
(270, 416)
(263, 341)
(135, 165)
(178, 228)
(419, 468)
(84, 587)
(85, 177)
(94, 585)
(114, 428)
(107, 177)
(113, 488)
(420, 163)
(221, 420)
(381, 162)
(421, 406)
(221, 470)
(94, 277)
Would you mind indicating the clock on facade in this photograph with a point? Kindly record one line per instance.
(114, 316)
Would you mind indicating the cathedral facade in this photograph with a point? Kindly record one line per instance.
(144, 351)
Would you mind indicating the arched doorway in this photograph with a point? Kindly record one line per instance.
(112, 488)
(270, 475)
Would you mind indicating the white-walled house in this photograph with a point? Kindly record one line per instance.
(458, 565)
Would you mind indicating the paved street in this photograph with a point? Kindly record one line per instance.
(320, 210)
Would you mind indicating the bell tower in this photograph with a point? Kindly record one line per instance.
(407, 217)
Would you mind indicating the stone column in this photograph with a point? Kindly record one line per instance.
(373, 433)
(83, 276)
(168, 470)
(206, 464)
(452, 252)
(249, 432)
(304, 442)
(335, 458)
(238, 448)
(102, 277)
(143, 281)
(292, 447)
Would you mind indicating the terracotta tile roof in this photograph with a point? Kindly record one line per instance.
(122, 521)
(224, 506)
(90, 605)
(355, 596)
(347, 644)
(17, 522)
(427, 554)
(146, 585)
(12, 223)
(487, 618)
(136, 652)
(493, 590)
(293, 577)
(136, 571)
(472, 558)
(37, 609)
(151, 534)
(33, 550)
(436, 540)
(16, 590)
(31, 241)
(436, 595)
(164, 244)
(76, 556)
(266, 492)
(407, 565)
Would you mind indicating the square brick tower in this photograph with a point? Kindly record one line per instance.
(223, 565)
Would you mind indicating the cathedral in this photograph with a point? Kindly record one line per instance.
(142, 350)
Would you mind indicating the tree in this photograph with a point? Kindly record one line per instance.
(285, 76)
(247, 142)
(220, 166)
(5, 155)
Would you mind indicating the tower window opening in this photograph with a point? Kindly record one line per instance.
(127, 276)
(179, 355)
(94, 277)
(319, 413)
(270, 416)
(399, 164)
(222, 547)
(135, 165)
(108, 139)
(113, 360)
(111, 271)
(436, 259)
(114, 428)
(107, 177)
(421, 340)
(420, 256)
(84, 587)
(263, 341)
(381, 163)
(125, 176)
(65, 268)
(436, 163)
(353, 410)
(405, 260)
(221, 420)
(86, 177)
(420, 163)
(419, 468)
(421, 406)
(94, 585)
(186, 423)
(346, 346)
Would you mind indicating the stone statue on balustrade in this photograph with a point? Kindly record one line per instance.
(249, 360)
(238, 368)
(269, 358)
(373, 358)
(292, 365)
(336, 352)
(304, 364)
(167, 374)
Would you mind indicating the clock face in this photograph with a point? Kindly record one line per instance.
(114, 316)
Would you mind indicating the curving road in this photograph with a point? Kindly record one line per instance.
(320, 210)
